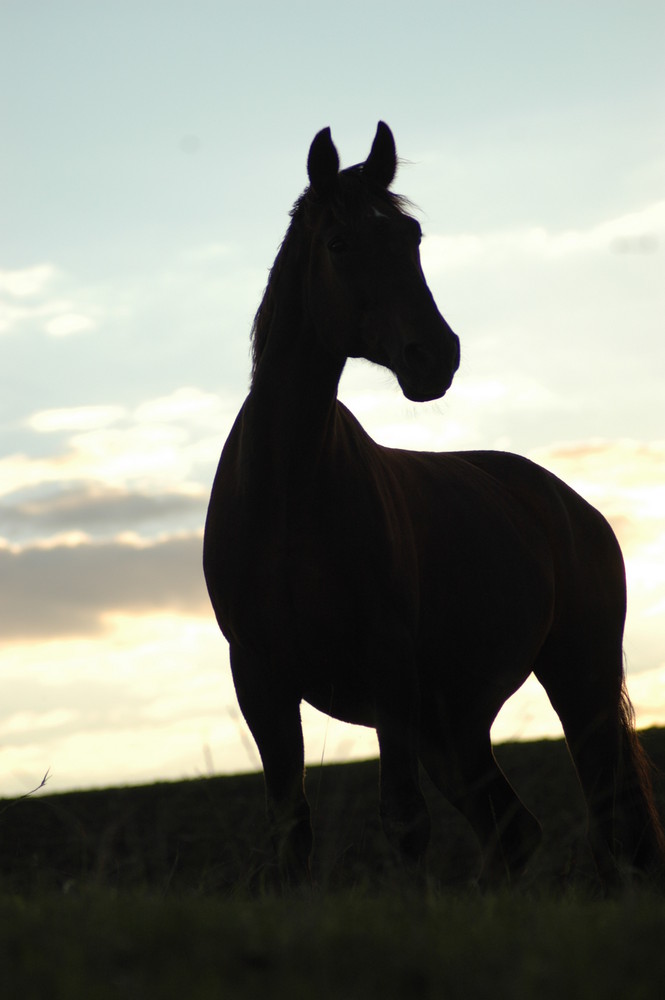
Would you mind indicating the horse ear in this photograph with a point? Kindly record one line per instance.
(322, 163)
(381, 164)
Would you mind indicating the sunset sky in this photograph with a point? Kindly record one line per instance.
(151, 151)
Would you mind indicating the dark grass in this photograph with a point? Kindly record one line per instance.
(339, 945)
(168, 890)
(210, 834)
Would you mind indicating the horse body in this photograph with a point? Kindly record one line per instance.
(410, 592)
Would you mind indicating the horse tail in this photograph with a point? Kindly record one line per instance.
(640, 834)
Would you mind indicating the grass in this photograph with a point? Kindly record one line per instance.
(163, 892)
(351, 945)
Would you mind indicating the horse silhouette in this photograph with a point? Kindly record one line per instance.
(406, 591)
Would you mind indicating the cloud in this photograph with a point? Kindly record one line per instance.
(136, 702)
(640, 233)
(623, 476)
(168, 444)
(624, 480)
(27, 282)
(69, 590)
(479, 411)
(97, 510)
(578, 311)
(43, 297)
(111, 520)
(187, 405)
(76, 418)
(69, 323)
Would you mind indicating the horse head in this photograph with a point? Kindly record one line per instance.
(367, 294)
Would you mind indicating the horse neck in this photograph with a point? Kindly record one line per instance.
(289, 416)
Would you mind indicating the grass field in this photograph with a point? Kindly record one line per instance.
(165, 891)
(350, 945)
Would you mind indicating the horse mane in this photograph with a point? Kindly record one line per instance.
(352, 196)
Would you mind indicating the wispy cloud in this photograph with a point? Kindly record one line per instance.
(27, 282)
(170, 443)
(78, 418)
(46, 299)
(625, 478)
(639, 233)
(65, 324)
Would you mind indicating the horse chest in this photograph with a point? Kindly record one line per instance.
(298, 573)
(322, 573)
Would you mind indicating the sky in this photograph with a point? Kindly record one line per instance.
(151, 151)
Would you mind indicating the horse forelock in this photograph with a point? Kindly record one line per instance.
(354, 195)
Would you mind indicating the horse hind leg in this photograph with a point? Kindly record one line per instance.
(464, 769)
(587, 690)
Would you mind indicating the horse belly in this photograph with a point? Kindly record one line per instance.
(348, 620)
(342, 698)
(487, 608)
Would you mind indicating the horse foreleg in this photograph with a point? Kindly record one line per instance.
(273, 717)
(404, 813)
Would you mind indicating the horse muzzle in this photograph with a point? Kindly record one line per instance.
(426, 372)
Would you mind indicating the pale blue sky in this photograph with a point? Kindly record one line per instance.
(150, 154)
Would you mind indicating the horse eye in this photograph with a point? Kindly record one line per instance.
(338, 244)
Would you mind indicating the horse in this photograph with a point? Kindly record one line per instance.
(411, 592)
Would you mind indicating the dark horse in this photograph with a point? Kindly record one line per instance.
(410, 592)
